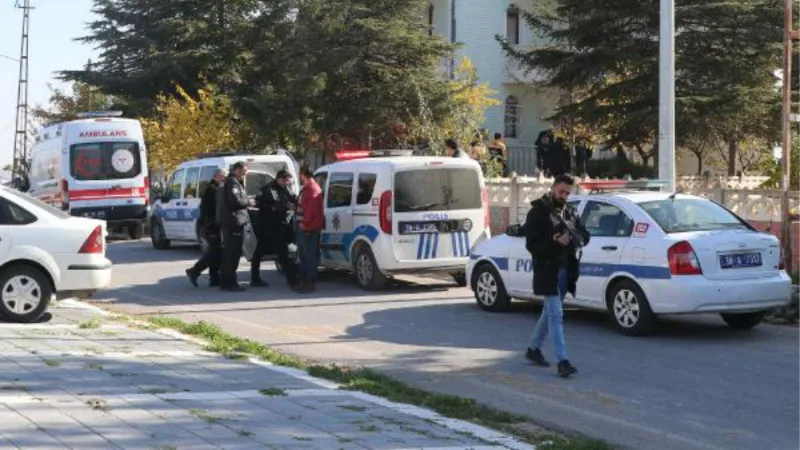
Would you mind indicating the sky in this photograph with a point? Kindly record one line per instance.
(53, 26)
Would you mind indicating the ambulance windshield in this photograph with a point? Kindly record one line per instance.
(445, 189)
(105, 161)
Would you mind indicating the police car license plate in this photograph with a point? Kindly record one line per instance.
(418, 227)
(740, 260)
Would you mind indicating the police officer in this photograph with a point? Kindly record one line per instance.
(212, 258)
(275, 231)
(232, 216)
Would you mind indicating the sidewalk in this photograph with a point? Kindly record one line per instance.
(85, 382)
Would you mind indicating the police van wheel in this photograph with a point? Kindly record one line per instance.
(136, 231)
(490, 293)
(368, 276)
(158, 236)
(629, 309)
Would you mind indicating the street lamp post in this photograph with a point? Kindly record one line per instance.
(666, 95)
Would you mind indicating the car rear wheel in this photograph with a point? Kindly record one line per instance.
(743, 321)
(629, 309)
(490, 292)
(158, 236)
(136, 231)
(368, 275)
(25, 293)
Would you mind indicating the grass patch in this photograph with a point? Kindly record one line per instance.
(90, 324)
(154, 391)
(203, 415)
(372, 382)
(97, 404)
(93, 366)
(272, 392)
(369, 428)
(246, 433)
(51, 362)
(352, 408)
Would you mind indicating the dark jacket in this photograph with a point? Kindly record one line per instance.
(558, 157)
(276, 206)
(208, 209)
(548, 255)
(232, 203)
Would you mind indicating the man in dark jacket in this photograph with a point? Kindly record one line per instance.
(210, 232)
(275, 228)
(560, 159)
(232, 216)
(554, 237)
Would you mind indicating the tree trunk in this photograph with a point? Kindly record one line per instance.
(733, 151)
(699, 157)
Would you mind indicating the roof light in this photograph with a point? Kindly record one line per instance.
(610, 185)
(351, 154)
(93, 114)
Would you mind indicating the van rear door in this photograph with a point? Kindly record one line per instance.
(438, 213)
(105, 173)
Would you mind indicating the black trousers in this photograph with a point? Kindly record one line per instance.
(277, 241)
(232, 239)
(211, 259)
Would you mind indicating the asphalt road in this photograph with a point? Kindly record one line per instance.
(695, 385)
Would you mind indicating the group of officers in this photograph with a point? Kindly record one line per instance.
(282, 219)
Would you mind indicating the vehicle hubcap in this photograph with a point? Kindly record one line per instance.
(626, 308)
(22, 294)
(364, 269)
(487, 289)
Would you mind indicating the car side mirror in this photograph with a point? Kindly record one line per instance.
(514, 230)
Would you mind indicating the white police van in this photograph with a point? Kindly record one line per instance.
(175, 214)
(387, 214)
(650, 253)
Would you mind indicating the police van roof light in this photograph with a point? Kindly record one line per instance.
(611, 185)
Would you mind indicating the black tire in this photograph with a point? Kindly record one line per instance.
(158, 236)
(136, 231)
(32, 302)
(366, 270)
(629, 309)
(460, 278)
(490, 292)
(744, 321)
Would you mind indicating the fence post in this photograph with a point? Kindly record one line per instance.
(513, 200)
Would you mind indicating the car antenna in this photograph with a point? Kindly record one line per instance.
(672, 197)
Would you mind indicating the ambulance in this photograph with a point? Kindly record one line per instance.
(387, 212)
(94, 167)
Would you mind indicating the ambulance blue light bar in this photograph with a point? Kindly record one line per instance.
(617, 185)
(98, 114)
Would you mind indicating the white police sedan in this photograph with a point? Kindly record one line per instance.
(650, 253)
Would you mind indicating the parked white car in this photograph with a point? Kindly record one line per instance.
(45, 251)
(650, 253)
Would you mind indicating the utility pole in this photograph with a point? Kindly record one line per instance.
(786, 220)
(21, 133)
(666, 95)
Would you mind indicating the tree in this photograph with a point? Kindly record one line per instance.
(726, 54)
(63, 106)
(184, 126)
(772, 168)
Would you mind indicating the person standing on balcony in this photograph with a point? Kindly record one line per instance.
(543, 142)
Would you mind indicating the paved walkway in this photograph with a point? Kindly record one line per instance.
(84, 382)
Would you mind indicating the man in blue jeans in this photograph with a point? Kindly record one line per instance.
(554, 235)
(310, 224)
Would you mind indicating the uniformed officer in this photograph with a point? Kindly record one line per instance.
(232, 215)
(212, 258)
(275, 231)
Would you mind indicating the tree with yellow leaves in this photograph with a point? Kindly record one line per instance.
(185, 125)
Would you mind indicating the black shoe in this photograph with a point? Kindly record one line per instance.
(566, 369)
(535, 356)
(258, 282)
(213, 284)
(193, 276)
(233, 288)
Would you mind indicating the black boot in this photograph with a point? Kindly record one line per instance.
(566, 369)
(535, 356)
(193, 276)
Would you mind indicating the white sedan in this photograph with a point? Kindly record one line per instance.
(650, 253)
(44, 251)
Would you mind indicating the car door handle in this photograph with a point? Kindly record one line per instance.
(609, 248)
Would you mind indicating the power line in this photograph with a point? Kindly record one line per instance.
(8, 58)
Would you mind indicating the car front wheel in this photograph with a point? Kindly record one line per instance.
(490, 292)
(629, 309)
(25, 294)
(743, 321)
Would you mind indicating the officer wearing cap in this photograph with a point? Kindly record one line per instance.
(232, 216)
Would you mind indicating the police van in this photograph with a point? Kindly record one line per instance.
(94, 167)
(388, 212)
(175, 214)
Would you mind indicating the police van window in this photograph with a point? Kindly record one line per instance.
(366, 187)
(605, 220)
(190, 187)
(175, 185)
(340, 190)
(105, 160)
(445, 189)
(206, 175)
(13, 214)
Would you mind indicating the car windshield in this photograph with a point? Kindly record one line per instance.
(18, 197)
(444, 190)
(691, 214)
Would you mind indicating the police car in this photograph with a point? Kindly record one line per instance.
(650, 253)
(388, 212)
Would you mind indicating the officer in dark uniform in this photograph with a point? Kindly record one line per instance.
(212, 258)
(275, 229)
(232, 215)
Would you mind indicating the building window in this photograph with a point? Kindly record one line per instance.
(430, 19)
(511, 119)
(512, 25)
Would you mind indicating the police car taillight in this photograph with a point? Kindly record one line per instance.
(683, 260)
(385, 216)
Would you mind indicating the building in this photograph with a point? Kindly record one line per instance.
(475, 24)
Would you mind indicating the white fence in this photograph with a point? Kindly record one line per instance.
(510, 198)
